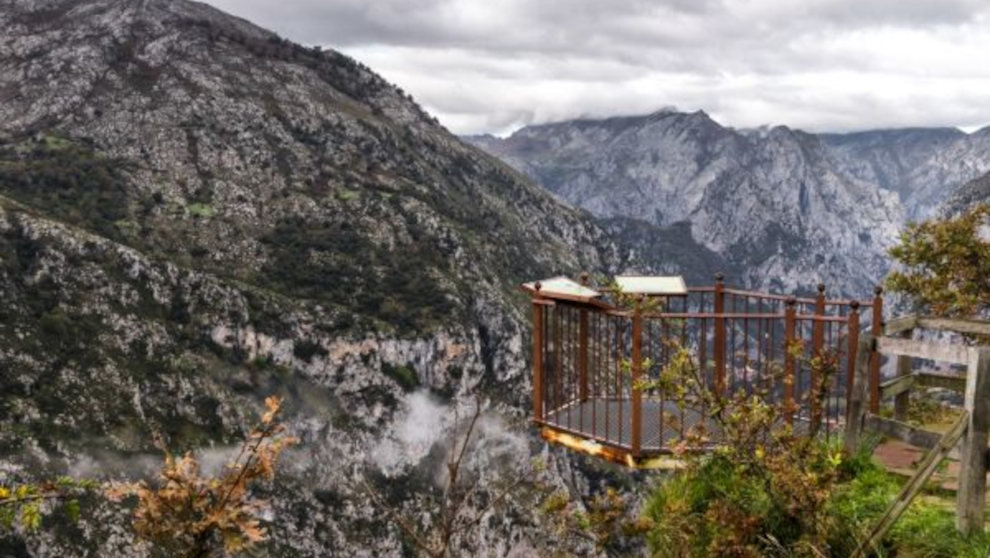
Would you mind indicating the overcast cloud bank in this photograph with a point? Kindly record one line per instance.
(821, 65)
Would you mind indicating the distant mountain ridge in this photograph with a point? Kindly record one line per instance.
(782, 207)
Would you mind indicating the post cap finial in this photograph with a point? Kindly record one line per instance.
(821, 288)
(584, 278)
(791, 301)
(538, 286)
(878, 290)
(719, 276)
(854, 304)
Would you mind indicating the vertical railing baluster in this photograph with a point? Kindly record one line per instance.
(790, 315)
(877, 329)
(637, 371)
(537, 355)
(853, 331)
(718, 336)
(817, 352)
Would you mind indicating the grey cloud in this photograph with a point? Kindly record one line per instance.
(491, 65)
(524, 25)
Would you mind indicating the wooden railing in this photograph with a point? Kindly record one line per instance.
(974, 386)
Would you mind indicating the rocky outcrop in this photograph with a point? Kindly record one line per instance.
(197, 213)
(923, 165)
(974, 192)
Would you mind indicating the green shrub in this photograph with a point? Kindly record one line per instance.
(201, 210)
(403, 375)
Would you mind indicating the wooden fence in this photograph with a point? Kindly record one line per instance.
(975, 420)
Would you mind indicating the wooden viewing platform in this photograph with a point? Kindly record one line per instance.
(589, 353)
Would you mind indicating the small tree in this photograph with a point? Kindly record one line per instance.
(195, 516)
(946, 263)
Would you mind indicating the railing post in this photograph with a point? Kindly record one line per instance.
(856, 405)
(637, 370)
(583, 348)
(971, 496)
(817, 347)
(852, 327)
(537, 355)
(877, 329)
(790, 323)
(718, 343)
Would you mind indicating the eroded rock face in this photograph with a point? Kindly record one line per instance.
(974, 192)
(776, 208)
(195, 214)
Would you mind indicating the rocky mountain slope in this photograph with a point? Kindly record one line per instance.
(769, 203)
(196, 213)
(779, 208)
(923, 165)
(973, 192)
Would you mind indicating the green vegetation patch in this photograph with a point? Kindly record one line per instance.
(926, 529)
(404, 375)
(67, 180)
(341, 264)
(201, 210)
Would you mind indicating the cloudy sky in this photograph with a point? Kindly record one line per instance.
(822, 65)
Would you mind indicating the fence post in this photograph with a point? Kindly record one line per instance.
(637, 370)
(877, 330)
(817, 351)
(537, 355)
(903, 400)
(971, 496)
(790, 323)
(856, 405)
(583, 348)
(852, 327)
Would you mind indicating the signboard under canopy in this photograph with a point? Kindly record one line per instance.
(671, 285)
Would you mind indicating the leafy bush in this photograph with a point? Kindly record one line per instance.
(763, 490)
(946, 264)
